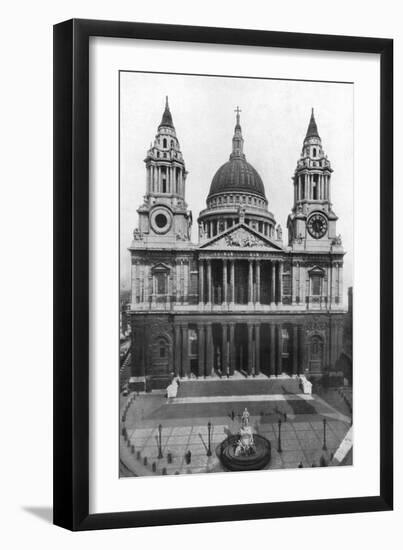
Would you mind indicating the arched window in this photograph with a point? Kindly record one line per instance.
(172, 143)
(314, 152)
(164, 142)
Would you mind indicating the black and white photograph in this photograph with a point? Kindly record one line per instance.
(236, 274)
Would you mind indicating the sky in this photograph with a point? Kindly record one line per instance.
(274, 119)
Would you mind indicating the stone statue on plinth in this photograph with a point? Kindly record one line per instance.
(245, 444)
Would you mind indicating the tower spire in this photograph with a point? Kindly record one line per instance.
(237, 140)
(166, 117)
(312, 127)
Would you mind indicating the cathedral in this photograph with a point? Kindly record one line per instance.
(243, 301)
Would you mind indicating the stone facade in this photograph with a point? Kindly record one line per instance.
(238, 300)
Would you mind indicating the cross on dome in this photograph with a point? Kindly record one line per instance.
(237, 111)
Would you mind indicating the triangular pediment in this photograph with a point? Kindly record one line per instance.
(160, 266)
(239, 237)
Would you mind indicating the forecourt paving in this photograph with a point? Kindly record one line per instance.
(184, 428)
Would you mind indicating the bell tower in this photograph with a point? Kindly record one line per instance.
(312, 222)
(164, 219)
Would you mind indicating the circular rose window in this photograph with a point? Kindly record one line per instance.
(161, 220)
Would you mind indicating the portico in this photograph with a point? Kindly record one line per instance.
(225, 346)
(240, 281)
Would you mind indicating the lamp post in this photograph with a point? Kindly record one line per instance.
(324, 447)
(279, 449)
(160, 441)
(209, 438)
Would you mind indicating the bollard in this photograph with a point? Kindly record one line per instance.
(154, 467)
(164, 471)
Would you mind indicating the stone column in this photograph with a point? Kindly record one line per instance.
(272, 349)
(295, 349)
(209, 349)
(224, 351)
(177, 350)
(329, 286)
(294, 275)
(209, 285)
(327, 179)
(257, 298)
(273, 283)
(257, 348)
(185, 351)
(303, 351)
(201, 282)
(178, 281)
(224, 282)
(279, 366)
(231, 348)
(250, 283)
(232, 276)
(186, 270)
(280, 282)
(334, 281)
(149, 284)
(134, 283)
(250, 348)
(201, 348)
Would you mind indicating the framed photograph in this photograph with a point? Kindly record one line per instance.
(223, 321)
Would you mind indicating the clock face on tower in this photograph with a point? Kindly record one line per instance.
(317, 225)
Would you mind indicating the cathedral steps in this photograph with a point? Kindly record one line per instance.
(237, 387)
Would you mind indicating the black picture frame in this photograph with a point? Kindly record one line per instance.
(71, 273)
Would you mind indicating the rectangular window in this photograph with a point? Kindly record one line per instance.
(161, 283)
(315, 285)
(287, 285)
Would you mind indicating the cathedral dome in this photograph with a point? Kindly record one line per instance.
(237, 176)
